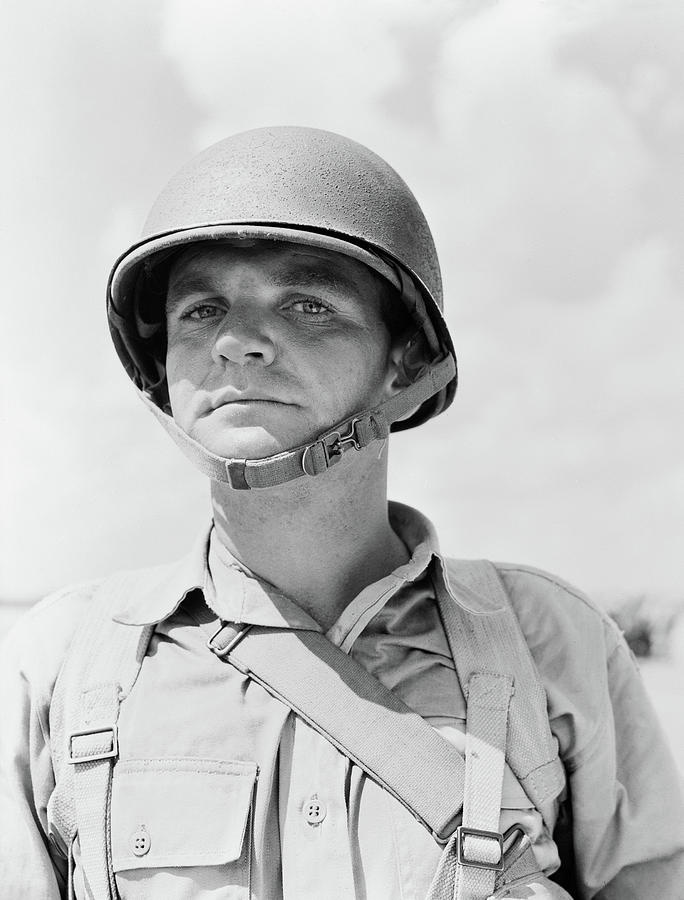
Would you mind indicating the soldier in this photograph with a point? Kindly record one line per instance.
(316, 702)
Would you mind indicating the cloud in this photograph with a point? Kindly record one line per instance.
(563, 448)
(544, 142)
(92, 112)
(498, 109)
(269, 63)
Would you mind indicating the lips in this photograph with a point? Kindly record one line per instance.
(240, 398)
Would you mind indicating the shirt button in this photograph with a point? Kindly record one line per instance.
(140, 841)
(315, 810)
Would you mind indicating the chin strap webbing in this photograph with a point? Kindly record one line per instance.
(353, 433)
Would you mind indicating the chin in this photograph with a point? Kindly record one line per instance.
(253, 442)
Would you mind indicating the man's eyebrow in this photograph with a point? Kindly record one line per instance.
(298, 276)
(305, 276)
(191, 283)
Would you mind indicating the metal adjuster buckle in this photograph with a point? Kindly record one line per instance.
(333, 445)
(100, 754)
(462, 832)
(232, 643)
(338, 443)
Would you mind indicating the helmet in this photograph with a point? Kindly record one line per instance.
(300, 185)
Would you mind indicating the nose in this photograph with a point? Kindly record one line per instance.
(243, 340)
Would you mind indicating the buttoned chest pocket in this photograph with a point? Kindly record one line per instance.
(181, 828)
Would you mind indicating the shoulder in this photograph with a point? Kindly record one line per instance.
(572, 642)
(555, 616)
(547, 605)
(33, 650)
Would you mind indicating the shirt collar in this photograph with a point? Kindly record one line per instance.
(237, 595)
(158, 592)
(417, 532)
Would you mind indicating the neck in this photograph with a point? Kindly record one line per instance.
(318, 540)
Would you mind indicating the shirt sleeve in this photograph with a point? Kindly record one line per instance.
(626, 791)
(31, 865)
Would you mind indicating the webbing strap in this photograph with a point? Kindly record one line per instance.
(91, 756)
(104, 652)
(355, 433)
(99, 671)
(367, 722)
(486, 729)
(484, 635)
(470, 862)
(490, 656)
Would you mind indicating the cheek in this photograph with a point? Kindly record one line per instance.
(175, 375)
(186, 361)
(180, 396)
(347, 370)
(184, 375)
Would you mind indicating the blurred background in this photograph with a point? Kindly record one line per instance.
(545, 142)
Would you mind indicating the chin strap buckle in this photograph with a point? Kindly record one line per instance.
(318, 457)
(335, 443)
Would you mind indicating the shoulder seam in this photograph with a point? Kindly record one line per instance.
(83, 588)
(556, 582)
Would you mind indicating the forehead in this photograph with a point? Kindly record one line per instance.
(279, 264)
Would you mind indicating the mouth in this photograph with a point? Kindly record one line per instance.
(257, 403)
(249, 400)
(239, 400)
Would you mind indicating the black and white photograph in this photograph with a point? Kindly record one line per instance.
(391, 606)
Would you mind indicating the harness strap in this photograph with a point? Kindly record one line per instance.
(318, 456)
(105, 657)
(98, 673)
(474, 856)
(330, 691)
(484, 635)
(491, 640)
(362, 718)
(91, 752)
(486, 730)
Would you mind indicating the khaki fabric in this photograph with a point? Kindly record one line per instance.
(314, 825)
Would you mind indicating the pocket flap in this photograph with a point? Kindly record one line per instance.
(179, 812)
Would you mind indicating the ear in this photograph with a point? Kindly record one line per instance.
(409, 356)
(406, 361)
(395, 377)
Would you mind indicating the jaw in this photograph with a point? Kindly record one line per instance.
(256, 431)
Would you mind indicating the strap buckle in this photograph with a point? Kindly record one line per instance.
(97, 754)
(332, 445)
(335, 443)
(462, 832)
(220, 649)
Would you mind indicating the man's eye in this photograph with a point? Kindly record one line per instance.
(311, 307)
(202, 311)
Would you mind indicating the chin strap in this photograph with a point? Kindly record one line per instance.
(353, 433)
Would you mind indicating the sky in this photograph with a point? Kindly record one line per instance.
(545, 143)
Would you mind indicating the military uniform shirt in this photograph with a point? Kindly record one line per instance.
(221, 792)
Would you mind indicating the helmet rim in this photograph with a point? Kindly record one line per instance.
(292, 184)
(127, 269)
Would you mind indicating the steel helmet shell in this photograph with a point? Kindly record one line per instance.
(296, 184)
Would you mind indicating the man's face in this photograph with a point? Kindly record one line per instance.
(270, 345)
